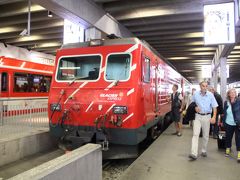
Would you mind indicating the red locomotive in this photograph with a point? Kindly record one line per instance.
(21, 80)
(111, 92)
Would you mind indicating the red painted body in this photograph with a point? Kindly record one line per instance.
(11, 66)
(87, 102)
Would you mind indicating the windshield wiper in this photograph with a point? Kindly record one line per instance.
(76, 78)
(116, 82)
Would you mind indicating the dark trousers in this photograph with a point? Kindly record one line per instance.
(229, 135)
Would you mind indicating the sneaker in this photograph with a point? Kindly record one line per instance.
(227, 153)
(204, 154)
(192, 157)
(238, 157)
(179, 134)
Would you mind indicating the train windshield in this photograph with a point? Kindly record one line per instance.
(118, 67)
(79, 67)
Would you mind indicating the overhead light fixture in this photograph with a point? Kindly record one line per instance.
(50, 14)
(24, 32)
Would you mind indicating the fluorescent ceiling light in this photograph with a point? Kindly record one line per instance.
(237, 47)
(53, 44)
(202, 53)
(178, 58)
(234, 56)
(235, 52)
(195, 43)
(30, 38)
(202, 49)
(187, 70)
(193, 35)
(7, 29)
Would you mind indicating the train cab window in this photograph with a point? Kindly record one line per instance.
(4, 82)
(146, 70)
(118, 67)
(80, 68)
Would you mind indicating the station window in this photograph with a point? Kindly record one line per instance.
(81, 68)
(24, 82)
(4, 82)
(118, 67)
(146, 70)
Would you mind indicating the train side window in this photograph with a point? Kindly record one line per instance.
(20, 82)
(4, 82)
(31, 82)
(118, 67)
(146, 70)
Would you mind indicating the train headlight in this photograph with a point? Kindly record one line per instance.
(55, 107)
(120, 109)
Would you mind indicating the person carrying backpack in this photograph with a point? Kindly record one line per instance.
(176, 109)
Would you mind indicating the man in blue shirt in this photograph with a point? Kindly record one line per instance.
(206, 103)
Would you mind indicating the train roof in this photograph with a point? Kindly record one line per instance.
(117, 41)
(16, 64)
(104, 42)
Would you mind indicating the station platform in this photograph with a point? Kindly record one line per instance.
(167, 159)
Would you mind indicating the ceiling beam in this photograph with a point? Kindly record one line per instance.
(18, 19)
(86, 13)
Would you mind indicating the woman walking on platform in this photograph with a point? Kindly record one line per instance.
(231, 120)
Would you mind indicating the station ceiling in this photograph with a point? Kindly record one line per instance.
(174, 28)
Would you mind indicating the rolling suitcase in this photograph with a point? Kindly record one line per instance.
(221, 138)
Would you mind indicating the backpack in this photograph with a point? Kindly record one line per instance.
(236, 112)
(176, 102)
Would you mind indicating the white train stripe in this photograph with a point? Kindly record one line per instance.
(128, 117)
(134, 67)
(130, 92)
(110, 86)
(131, 49)
(74, 92)
(89, 106)
(110, 108)
(27, 69)
(23, 64)
(102, 69)
(83, 84)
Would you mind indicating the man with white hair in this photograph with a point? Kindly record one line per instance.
(206, 104)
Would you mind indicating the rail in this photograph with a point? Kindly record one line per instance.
(27, 115)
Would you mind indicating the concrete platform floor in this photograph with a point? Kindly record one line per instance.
(167, 159)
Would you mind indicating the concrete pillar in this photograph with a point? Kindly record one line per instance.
(215, 79)
(92, 33)
(223, 77)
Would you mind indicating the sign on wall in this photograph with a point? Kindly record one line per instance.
(72, 32)
(219, 25)
(206, 71)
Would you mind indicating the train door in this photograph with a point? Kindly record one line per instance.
(146, 86)
(157, 78)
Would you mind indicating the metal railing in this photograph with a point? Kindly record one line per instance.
(20, 119)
